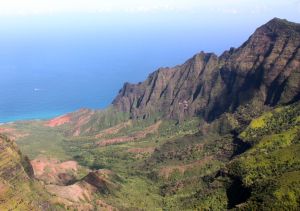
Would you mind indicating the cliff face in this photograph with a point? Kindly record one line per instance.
(13, 164)
(17, 188)
(265, 70)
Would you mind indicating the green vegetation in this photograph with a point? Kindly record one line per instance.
(176, 167)
(17, 189)
(271, 167)
(101, 120)
(43, 141)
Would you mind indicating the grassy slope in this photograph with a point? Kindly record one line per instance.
(139, 189)
(41, 141)
(17, 190)
(270, 169)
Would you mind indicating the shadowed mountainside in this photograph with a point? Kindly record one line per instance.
(264, 70)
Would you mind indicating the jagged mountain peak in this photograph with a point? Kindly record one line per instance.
(277, 24)
(265, 70)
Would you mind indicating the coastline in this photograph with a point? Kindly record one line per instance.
(31, 117)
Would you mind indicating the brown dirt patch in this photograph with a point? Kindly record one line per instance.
(113, 130)
(79, 196)
(166, 172)
(83, 116)
(77, 192)
(7, 130)
(82, 194)
(12, 133)
(52, 171)
(148, 130)
(136, 136)
(104, 206)
(115, 141)
(58, 121)
(76, 119)
(3, 188)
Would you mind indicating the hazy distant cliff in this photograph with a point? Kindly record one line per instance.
(264, 70)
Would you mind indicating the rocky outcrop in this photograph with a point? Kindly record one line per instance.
(17, 187)
(13, 164)
(265, 70)
(103, 179)
(52, 171)
(84, 194)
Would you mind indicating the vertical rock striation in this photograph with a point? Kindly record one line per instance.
(265, 70)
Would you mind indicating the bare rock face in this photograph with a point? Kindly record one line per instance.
(265, 70)
(52, 171)
(104, 180)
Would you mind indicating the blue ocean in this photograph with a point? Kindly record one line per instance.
(53, 65)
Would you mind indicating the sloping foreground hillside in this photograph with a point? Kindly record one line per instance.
(18, 190)
(268, 174)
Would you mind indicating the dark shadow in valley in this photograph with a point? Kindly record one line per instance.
(239, 145)
(237, 193)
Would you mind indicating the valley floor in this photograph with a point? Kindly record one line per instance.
(163, 165)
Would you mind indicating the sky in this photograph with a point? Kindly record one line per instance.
(206, 7)
(29, 18)
(31, 15)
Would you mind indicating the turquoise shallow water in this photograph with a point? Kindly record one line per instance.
(52, 66)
